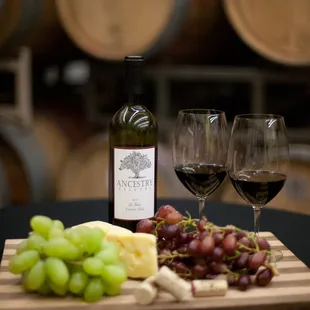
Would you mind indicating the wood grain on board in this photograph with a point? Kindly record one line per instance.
(290, 290)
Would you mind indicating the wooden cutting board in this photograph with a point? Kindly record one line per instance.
(290, 290)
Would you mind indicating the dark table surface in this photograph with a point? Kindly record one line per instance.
(292, 229)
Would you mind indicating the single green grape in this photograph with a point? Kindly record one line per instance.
(23, 261)
(41, 224)
(44, 289)
(74, 236)
(59, 290)
(113, 290)
(91, 239)
(94, 241)
(23, 246)
(114, 274)
(58, 224)
(56, 232)
(93, 266)
(57, 271)
(62, 248)
(36, 276)
(78, 282)
(36, 242)
(108, 256)
(94, 290)
(108, 245)
(24, 280)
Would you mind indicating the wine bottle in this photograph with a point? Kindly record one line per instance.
(133, 141)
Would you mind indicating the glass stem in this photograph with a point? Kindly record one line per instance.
(257, 213)
(201, 206)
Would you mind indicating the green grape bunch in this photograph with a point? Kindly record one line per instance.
(59, 261)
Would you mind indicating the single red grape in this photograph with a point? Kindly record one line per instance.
(179, 267)
(194, 248)
(161, 231)
(263, 277)
(174, 217)
(256, 260)
(145, 226)
(244, 282)
(182, 249)
(200, 271)
(218, 238)
(172, 231)
(230, 244)
(229, 229)
(218, 268)
(201, 224)
(163, 211)
(184, 238)
(263, 244)
(240, 235)
(203, 234)
(252, 244)
(218, 254)
(243, 241)
(207, 246)
(241, 261)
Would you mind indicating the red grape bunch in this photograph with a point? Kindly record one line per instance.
(198, 249)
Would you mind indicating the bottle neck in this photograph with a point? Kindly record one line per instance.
(133, 84)
(133, 99)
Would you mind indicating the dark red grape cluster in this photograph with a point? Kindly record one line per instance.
(198, 249)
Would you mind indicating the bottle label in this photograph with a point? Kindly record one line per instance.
(134, 183)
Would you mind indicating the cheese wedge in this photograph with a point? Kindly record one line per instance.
(138, 252)
(106, 227)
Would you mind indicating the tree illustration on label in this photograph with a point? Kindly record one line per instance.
(135, 162)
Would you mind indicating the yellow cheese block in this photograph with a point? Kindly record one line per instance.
(138, 250)
(106, 227)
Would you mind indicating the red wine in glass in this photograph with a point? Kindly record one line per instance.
(258, 160)
(200, 151)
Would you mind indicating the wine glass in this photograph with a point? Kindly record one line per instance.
(258, 159)
(200, 151)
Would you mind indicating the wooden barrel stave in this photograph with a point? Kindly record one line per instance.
(284, 39)
(179, 31)
(32, 23)
(31, 159)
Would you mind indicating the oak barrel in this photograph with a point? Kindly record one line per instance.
(31, 159)
(85, 174)
(113, 29)
(295, 195)
(278, 30)
(32, 23)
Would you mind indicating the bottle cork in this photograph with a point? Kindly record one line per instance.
(209, 288)
(172, 283)
(147, 292)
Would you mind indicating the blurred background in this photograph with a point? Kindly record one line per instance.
(61, 69)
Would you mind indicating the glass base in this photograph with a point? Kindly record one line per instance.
(276, 256)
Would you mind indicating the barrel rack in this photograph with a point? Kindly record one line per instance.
(161, 76)
(20, 66)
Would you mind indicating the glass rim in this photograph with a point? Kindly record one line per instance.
(202, 111)
(259, 116)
